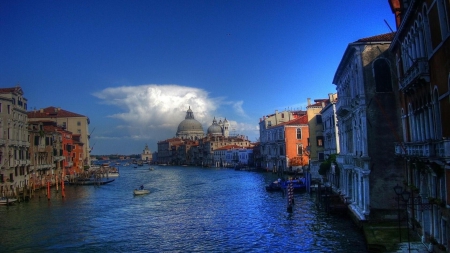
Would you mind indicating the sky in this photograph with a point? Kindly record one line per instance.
(135, 67)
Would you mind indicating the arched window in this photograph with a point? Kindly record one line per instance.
(382, 76)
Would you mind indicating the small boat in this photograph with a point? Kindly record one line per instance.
(274, 187)
(141, 191)
(7, 201)
(113, 172)
(151, 168)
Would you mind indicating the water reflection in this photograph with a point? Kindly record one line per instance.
(188, 210)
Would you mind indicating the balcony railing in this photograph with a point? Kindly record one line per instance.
(343, 106)
(430, 148)
(419, 69)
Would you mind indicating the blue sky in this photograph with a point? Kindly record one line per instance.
(134, 67)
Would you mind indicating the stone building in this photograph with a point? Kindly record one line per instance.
(73, 122)
(14, 144)
(316, 140)
(421, 48)
(190, 128)
(368, 125)
(272, 148)
(146, 154)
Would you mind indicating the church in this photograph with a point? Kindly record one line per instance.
(191, 129)
(192, 146)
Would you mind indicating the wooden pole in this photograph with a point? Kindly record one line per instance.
(48, 190)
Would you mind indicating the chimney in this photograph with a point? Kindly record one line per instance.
(309, 101)
(41, 110)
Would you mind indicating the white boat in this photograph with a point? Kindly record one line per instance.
(7, 201)
(113, 172)
(141, 192)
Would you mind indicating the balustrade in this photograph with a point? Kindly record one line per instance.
(424, 149)
(419, 69)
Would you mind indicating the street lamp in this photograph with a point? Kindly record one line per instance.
(405, 196)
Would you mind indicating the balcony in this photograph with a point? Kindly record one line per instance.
(419, 70)
(430, 149)
(343, 106)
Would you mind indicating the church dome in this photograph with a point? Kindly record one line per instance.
(215, 129)
(190, 127)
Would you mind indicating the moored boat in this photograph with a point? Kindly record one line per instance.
(92, 181)
(7, 201)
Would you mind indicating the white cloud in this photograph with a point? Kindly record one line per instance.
(154, 111)
(157, 106)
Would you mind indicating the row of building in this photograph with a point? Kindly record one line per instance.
(217, 148)
(388, 125)
(39, 146)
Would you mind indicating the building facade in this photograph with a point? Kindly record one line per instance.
(421, 48)
(146, 154)
(14, 144)
(70, 121)
(285, 144)
(368, 123)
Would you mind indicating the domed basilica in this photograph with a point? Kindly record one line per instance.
(191, 129)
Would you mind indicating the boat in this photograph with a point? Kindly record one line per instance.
(141, 191)
(274, 186)
(92, 182)
(7, 201)
(151, 168)
(298, 185)
(112, 172)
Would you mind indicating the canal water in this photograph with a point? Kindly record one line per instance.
(189, 209)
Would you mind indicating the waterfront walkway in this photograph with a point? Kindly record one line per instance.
(385, 238)
(416, 247)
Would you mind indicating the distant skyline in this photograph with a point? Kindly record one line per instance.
(135, 67)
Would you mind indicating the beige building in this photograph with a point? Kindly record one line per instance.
(14, 144)
(70, 121)
(316, 139)
(146, 154)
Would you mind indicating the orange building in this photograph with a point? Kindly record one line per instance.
(284, 145)
(77, 154)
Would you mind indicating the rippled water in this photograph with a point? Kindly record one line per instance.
(189, 209)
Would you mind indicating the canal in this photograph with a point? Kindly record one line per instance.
(189, 209)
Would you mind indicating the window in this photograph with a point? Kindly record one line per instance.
(299, 133)
(320, 141)
(282, 115)
(382, 76)
(321, 157)
(319, 119)
(269, 123)
(300, 150)
(78, 123)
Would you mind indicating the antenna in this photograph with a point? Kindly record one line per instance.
(388, 25)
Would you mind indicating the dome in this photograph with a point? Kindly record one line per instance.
(190, 128)
(190, 125)
(215, 129)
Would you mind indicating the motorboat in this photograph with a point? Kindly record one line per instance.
(141, 191)
(7, 201)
